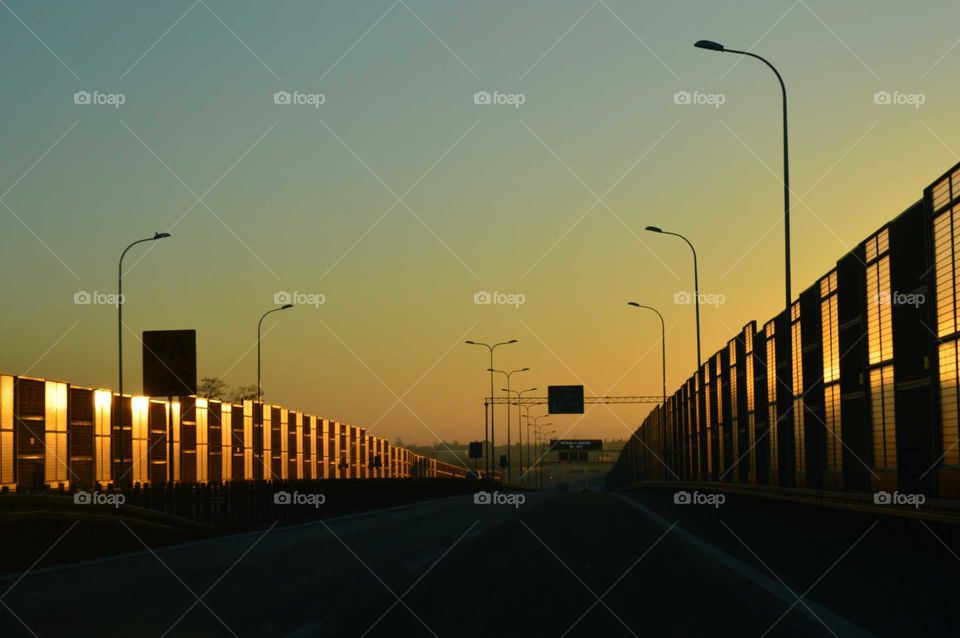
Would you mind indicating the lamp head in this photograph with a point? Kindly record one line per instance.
(512, 341)
(654, 229)
(286, 305)
(471, 343)
(633, 303)
(161, 235)
(709, 45)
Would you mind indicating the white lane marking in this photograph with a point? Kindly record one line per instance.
(837, 622)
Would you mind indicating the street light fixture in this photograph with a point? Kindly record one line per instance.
(663, 347)
(488, 435)
(259, 324)
(259, 406)
(527, 416)
(156, 236)
(696, 281)
(709, 45)
(519, 394)
(544, 451)
(531, 462)
(508, 375)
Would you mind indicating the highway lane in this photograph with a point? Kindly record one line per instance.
(582, 564)
(265, 583)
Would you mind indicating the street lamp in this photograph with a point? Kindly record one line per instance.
(696, 281)
(259, 324)
(531, 462)
(488, 435)
(155, 237)
(544, 451)
(663, 347)
(526, 416)
(716, 46)
(519, 394)
(508, 375)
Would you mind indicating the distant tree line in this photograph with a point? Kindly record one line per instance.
(215, 388)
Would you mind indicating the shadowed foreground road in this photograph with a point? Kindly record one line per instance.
(583, 564)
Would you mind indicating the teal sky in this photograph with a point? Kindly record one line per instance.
(399, 198)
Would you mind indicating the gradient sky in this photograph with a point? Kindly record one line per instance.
(493, 198)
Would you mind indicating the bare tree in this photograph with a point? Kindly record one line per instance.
(212, 388)
(243, 393)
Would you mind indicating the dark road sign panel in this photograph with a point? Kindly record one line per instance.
(565, 399)
(476, 449)
(169, 363)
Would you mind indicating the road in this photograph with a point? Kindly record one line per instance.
(578, 564)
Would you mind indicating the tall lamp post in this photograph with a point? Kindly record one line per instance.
(508, 375)
(696, 282)
(530, 450)
(156, 236)
(716, 46)
(531, 462)
(544, 451)
(259, 406)
(489, 436)
(519, 394)
(663, 347)
(526, 417)
(259, 325)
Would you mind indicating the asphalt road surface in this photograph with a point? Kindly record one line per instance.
(578, 564)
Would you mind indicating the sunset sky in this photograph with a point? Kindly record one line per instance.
(398, 199)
